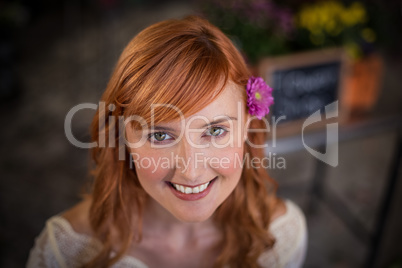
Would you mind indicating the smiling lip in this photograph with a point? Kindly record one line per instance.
(192, 196)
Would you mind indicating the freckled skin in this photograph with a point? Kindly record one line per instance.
(201, 164)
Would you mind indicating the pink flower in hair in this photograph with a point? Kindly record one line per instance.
(259, 97)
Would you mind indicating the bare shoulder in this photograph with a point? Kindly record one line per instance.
(279, 209)
(78, 217)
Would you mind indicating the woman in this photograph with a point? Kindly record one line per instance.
(176, 178)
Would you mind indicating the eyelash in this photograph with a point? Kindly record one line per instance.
(151, 136)
(225, 131)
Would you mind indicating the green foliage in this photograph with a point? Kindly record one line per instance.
(263, 28)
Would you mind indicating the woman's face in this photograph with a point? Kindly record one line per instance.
(191, 165)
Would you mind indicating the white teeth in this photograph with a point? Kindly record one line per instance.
(202, 187)
(190, 190)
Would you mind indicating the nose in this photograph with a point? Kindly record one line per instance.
(190, 164)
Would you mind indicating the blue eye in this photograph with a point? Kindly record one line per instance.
(159, 137)
(215, 131)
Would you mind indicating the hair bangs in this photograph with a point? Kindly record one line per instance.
(180, 84)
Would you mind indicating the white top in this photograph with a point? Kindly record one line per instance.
(58, 245)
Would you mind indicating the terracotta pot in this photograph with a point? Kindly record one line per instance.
(363, 83)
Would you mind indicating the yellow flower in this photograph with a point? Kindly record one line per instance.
(332, 18)
(358, 11)
(353, 15)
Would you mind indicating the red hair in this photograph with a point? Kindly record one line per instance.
(186, 63)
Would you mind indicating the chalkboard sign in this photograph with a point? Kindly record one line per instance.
(299, 92)
(303, 83)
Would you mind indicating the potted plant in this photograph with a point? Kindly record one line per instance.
(262, 28)
(331, 23)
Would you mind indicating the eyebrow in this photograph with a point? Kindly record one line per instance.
(221, 120)
(162, 128)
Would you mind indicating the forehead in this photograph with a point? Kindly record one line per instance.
(229, 104)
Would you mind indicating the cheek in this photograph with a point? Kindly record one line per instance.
(228, 162)
(150, 166)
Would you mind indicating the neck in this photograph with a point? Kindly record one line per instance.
(158, 222)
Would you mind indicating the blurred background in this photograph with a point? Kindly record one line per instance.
(57, 54)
